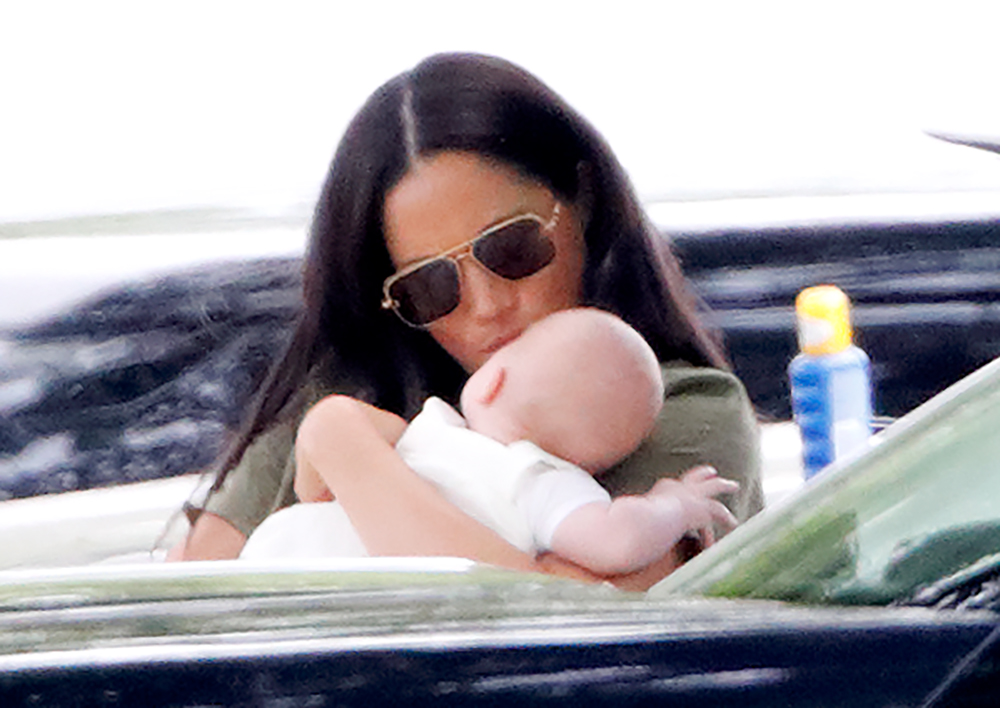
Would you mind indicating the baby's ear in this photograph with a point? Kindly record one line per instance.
(492, 386)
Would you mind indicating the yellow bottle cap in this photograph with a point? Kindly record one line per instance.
(824, 319)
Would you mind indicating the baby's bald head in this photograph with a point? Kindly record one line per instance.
(581, 384)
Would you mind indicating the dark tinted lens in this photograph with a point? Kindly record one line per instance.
(427, 293)
(515, 251)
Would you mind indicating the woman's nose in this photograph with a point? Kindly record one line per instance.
(484, 293)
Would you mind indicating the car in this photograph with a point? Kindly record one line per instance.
(915, 520)
(877, 583)
(109, 411)
(922, 271)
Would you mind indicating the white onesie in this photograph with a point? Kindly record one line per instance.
(518, 490)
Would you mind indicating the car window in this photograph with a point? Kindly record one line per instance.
(923, 504)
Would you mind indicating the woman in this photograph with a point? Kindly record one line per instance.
(470, 147)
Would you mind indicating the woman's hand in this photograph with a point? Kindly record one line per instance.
(321, 423)
(309, 486)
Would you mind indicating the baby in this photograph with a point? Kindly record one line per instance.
(574, 394)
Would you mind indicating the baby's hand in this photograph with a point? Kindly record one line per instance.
(697, 490)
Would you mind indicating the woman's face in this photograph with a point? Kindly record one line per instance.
(446, 200)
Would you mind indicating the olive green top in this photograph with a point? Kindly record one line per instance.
(706, 419)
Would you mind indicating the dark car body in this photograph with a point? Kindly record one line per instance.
(211, 636)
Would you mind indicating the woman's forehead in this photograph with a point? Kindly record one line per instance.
(444, 200)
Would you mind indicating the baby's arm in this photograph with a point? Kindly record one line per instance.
(633, 531)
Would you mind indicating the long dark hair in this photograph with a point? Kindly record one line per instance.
(493, 108)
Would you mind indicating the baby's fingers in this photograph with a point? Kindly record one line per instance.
(722, 516)
(697, 475)
(719, 485)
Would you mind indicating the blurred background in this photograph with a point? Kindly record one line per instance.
(137, 139)
(121, 105)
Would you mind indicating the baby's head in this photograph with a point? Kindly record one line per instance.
(581, 384)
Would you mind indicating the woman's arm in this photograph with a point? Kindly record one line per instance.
(211, 538)
(260, 484)
(350, 446)
(354, 444)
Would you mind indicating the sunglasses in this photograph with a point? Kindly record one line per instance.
(431, 288)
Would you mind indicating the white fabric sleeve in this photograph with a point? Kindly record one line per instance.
(550, 493)
(475, 473)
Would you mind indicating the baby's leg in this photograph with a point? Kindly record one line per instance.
(320, 530)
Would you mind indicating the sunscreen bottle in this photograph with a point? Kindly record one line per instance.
(830, 380)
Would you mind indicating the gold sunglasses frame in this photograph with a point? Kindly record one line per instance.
(460, 251)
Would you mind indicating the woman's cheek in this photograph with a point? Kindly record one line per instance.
(450, 337)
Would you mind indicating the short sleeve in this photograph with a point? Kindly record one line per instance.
(707, 419)
(261, 483)
(549, 494)
(264, 479)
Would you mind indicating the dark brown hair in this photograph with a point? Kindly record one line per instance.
(493, 108)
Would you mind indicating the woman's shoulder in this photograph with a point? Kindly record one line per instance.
(681, 378)
(707, 419)
(261, 481)
(258, 484)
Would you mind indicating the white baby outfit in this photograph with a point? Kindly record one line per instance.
(518, 490)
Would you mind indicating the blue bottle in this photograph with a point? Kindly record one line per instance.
(830, 380)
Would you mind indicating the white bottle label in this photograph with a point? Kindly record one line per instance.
(849, 437)
(850, 411)
(813, 332)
